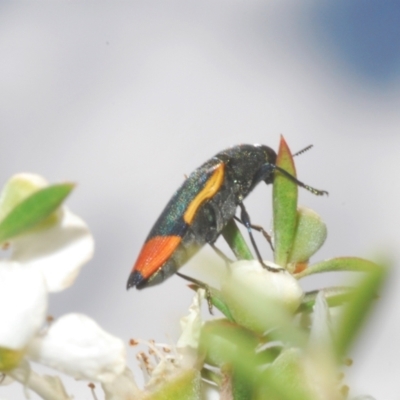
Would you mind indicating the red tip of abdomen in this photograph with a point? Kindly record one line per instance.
(155, 252)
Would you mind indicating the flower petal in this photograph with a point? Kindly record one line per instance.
(320, 363)
(23, 304)
(122, 388)
(280, 285)
(175, 368)
(76, 345)
(191, 324)
(248, 288)
(321, 328)
(58, 250)
(46, 386)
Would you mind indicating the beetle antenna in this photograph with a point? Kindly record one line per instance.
(303, 150)
(299, 183)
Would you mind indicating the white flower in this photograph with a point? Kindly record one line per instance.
(191, 324)
(319, 361)
(57, 251)
(170, 368)
(42, 260)
(23, 304)
(249, 290)
(76, 345)
(172, 371)
(123, 387)
(47, 258)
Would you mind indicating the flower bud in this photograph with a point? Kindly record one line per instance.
(250, 290)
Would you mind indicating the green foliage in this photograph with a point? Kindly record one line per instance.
(185, 386)
(310, 235)
(335, 296)
(236, 241)
(33, 209)
(285, 193)
(355, 264)
(270, 361)
(358, 308)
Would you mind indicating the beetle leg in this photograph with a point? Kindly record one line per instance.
(244, 216)
(266, 235)
(259, 228)
(201, 285)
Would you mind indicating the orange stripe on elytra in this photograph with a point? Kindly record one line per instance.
(154, 253)
(212, 186)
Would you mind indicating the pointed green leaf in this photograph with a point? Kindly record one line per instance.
(218, 301)
(284, 205)
(217, 298)
(357, 309)
(339, 264)
(32, 210)
(335, 296)
(17, 189)
(236, 242)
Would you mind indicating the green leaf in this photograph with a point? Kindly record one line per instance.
(309, 237)
(235, 350)
(236, 242)
(284, 205)
(17, 189)
(339, 264)
(218, 301)
(186, 385)
(33, 210)
(335, 296)
(221, 341)
(356, 311)
(217, 298)
(232, 382)
(285, 379)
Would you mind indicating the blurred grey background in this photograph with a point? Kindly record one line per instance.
(124, 98)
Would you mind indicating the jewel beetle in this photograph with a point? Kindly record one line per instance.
(200, 209)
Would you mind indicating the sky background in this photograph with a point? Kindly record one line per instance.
(124, 98)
